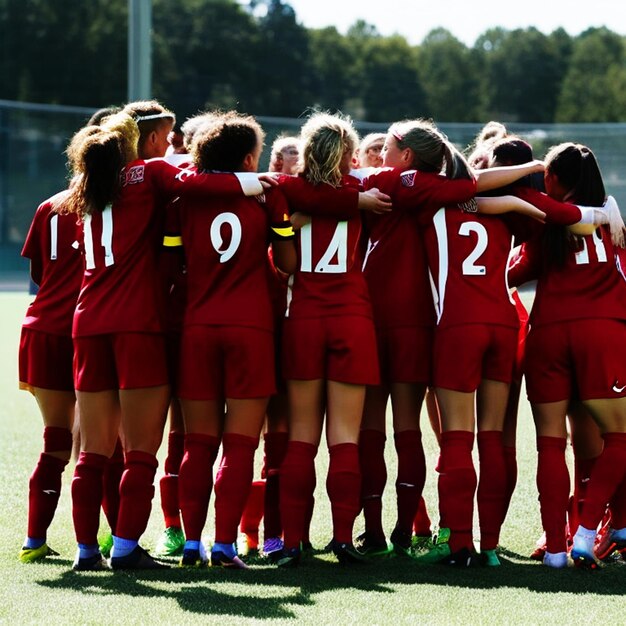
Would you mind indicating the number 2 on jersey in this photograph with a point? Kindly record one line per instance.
(469, 265)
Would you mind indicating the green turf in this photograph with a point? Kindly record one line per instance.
(320, 591)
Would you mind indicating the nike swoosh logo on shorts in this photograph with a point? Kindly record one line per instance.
(617, 389)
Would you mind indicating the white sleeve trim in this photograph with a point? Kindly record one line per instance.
(249, 182)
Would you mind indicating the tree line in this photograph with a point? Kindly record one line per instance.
(259, 59)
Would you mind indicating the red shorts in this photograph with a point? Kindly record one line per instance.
(468, 353)
(406, 354)
(119, 361)
(45, 361)
(581, 359)
(218, 362)
(341, 348)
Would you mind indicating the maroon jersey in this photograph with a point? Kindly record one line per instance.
(329, 280)
(225, 244)
(121, 286)
(590, 284)
(395, 265)
(56, 266)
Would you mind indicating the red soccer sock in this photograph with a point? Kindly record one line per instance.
(297, 484)
(253, 513)
(492, 485)
(373, 480)
(44, 488)
(275, 450)
(195, 482)
(582, 473)
(553, 483)
(111, 479)
(343, 485)
(422, 523)
(608, 475)
(510, 461)
(232, 484)
(136, 493)
(168, 485)
(456, 486)
(411, 476)
(87, 496)
(618, 506)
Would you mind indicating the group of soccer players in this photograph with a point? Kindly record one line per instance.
(157, 291)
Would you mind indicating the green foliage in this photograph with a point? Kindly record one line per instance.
(258, 58)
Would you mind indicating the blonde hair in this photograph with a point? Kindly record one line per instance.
(96, 156)
(432, 152)
(325, 140)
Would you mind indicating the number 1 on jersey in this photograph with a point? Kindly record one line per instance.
(337, 249)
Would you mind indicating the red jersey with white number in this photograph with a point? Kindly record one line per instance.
(56, 266)
(225, 244)
(590, 284)
(120, 289)
(468, 255)
(396, 268)
(329, 280)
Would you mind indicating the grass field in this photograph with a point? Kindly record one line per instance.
(320, 591)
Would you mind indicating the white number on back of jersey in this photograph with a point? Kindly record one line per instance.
(54, 236)
(337, 249)
(106, 241)
(218, 241)
(469, 265)
(582, 256)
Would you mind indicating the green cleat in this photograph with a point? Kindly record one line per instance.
(372, 547)
(171, 542)
(106, 545)
(32, 555)
(440, 550)
(401, 542)
(489, 558)
(421, 544)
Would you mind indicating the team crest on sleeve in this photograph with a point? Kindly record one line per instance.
(471, 206)
(261, 198)
(408, 178)
(134, 175)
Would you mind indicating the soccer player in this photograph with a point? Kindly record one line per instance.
(370, 150)
(576, 338)
(120, 372)
(227, 344)
(285, 155)
(45, 359)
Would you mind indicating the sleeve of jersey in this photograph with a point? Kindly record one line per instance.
(174, 182)
(562, 213)
(524, 266)
(32, 245)
(172, 238)
(340, 203)
(281, 229)
(414, 190)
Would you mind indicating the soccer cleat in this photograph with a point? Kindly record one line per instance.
(371, 546)
(346, 553)
(421, 543)
(31, 555)
(440, 549)
(171, 542)
(582, 549)
(95, 563)
(462, 558)
(489, 558)
(540, 549)
(137, 559)
(288, 557)
(106, 545)
(226, 558)
(193, 558)
(272, 548)
(556, 560)
(401, 541)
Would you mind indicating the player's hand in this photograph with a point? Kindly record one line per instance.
(268, 180)
(298, 220)
(375, 201)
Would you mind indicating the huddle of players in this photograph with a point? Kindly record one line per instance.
(347, 298)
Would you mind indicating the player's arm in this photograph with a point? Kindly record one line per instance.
(495, 177)
(282, 234)
(508, 204)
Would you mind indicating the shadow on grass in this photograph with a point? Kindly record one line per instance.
(265, 592)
